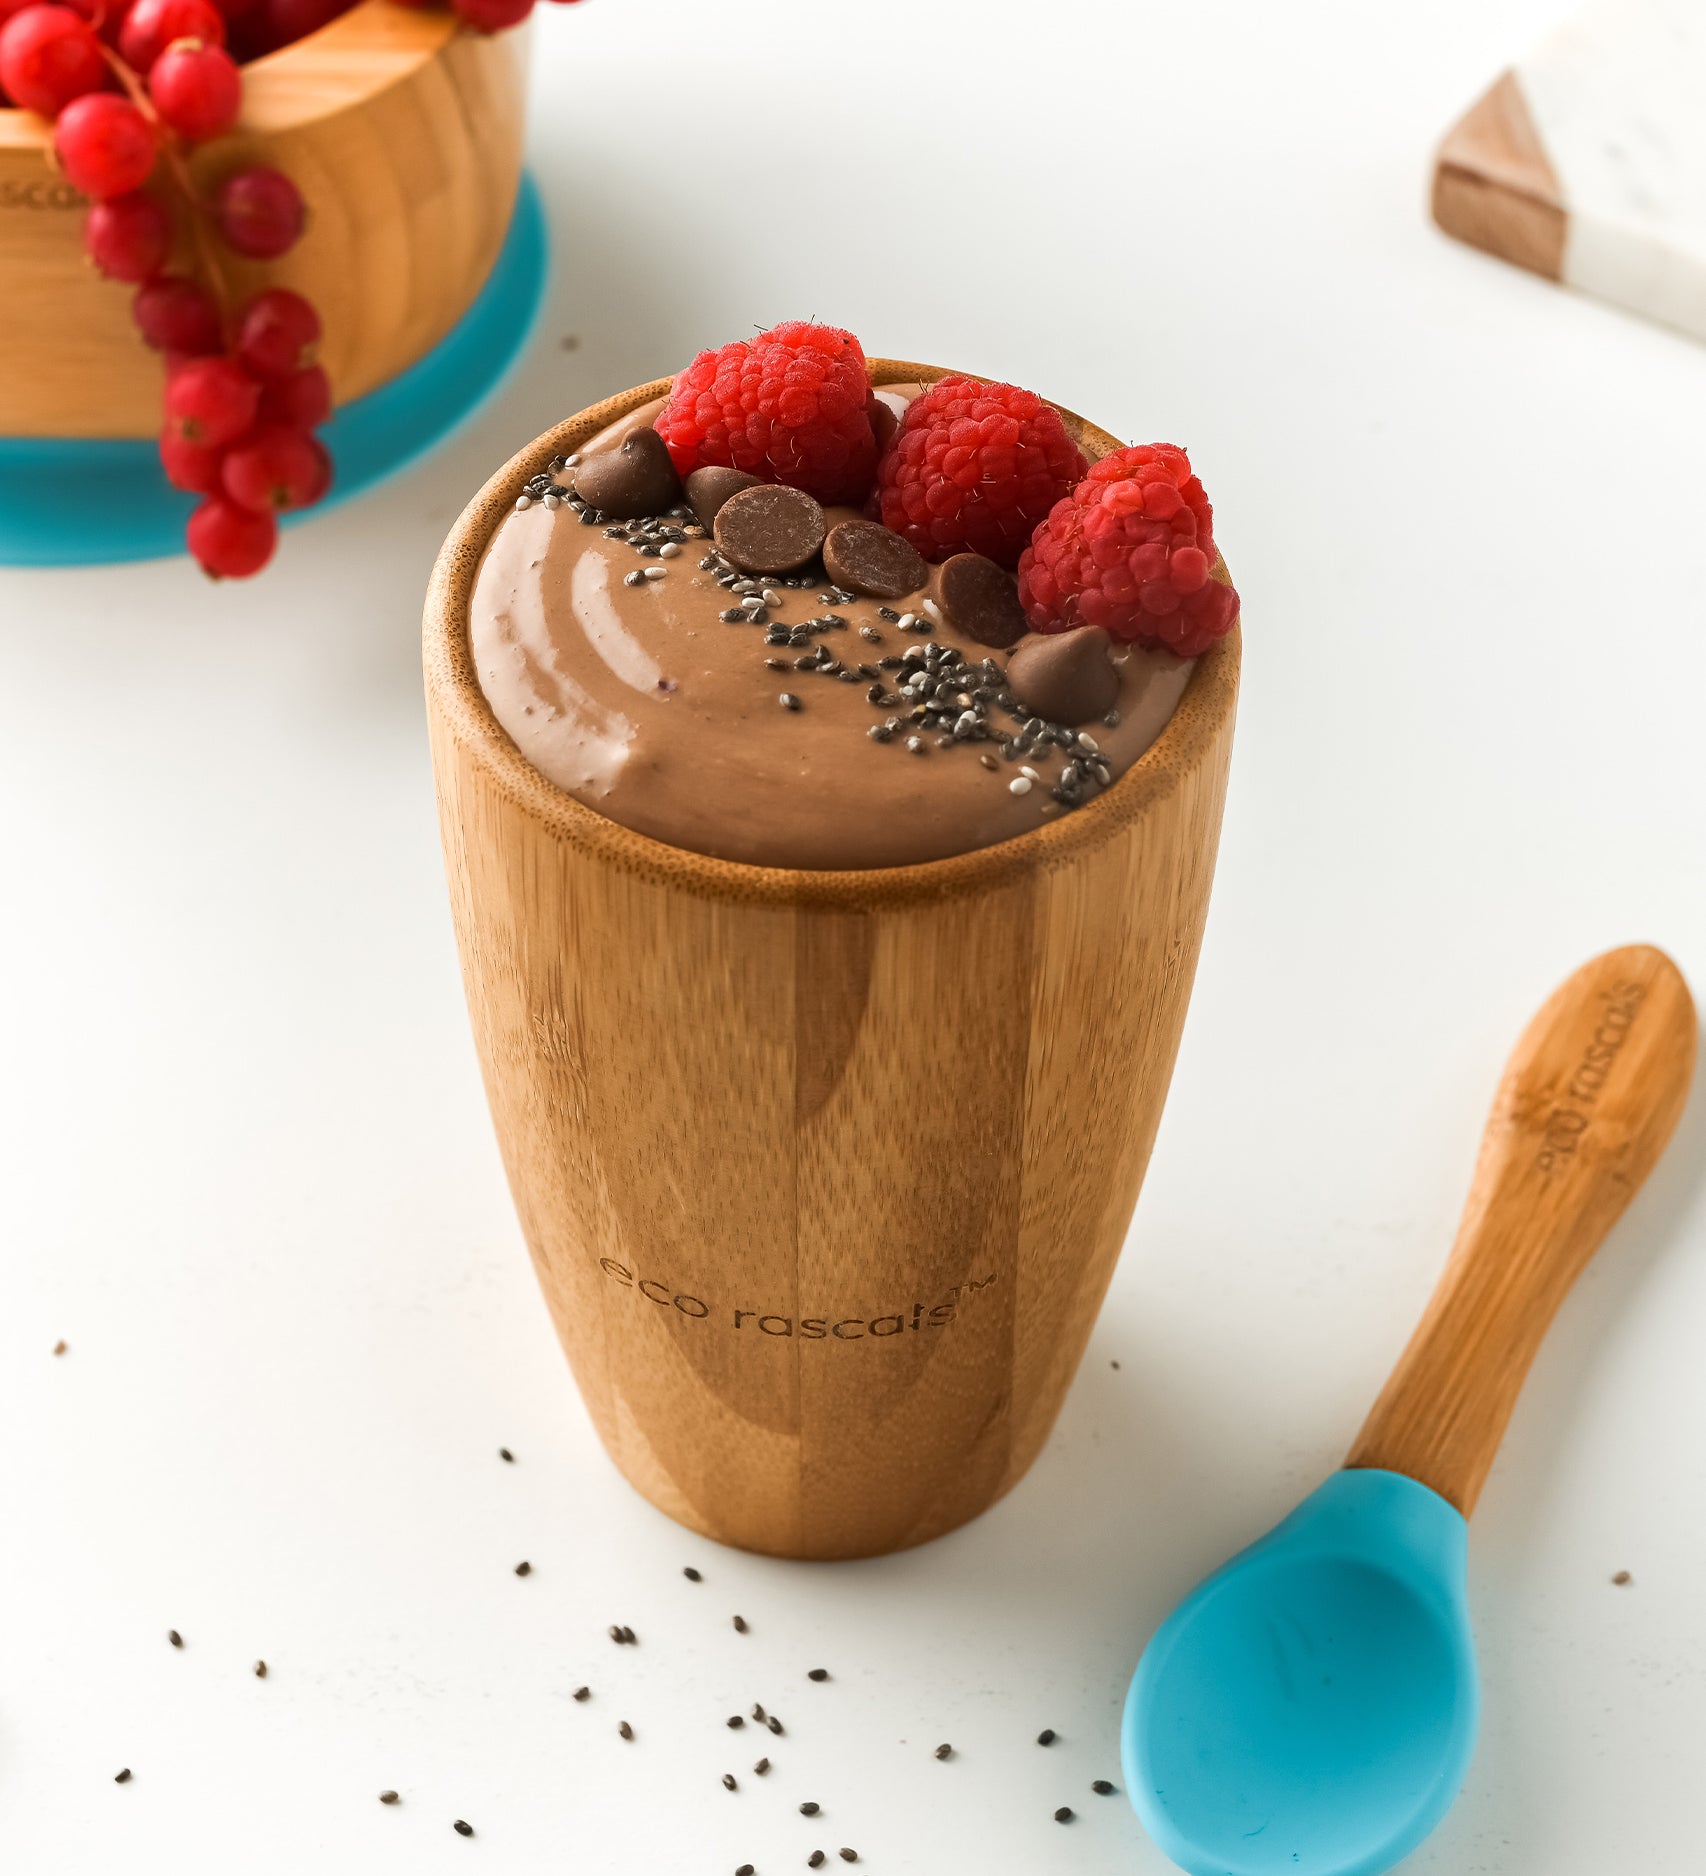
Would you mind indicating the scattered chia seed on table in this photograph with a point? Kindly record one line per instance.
(761, 1768)
(817, 1674)
(462, 1829)
(740, 1625)
(388, 1797)
(1047, 1736)
(1063, 1815)
(626, 1731)
(736, 1719)
(944, 1751)
(524, 1568)
(692, 1575)
(583, 1693)
(506, 1455)
(729, 1782)
(1102, 1787)
(122, 1778)
(260, 1670)
(810, 1808)
(174, 1638)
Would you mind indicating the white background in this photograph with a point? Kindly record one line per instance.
(247, 1172)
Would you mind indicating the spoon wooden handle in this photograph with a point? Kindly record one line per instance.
(1589, 1098)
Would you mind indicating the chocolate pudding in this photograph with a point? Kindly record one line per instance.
(728, 667)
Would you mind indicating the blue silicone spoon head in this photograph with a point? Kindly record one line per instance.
(1310, 1709)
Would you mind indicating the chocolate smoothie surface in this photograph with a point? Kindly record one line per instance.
(789, 740)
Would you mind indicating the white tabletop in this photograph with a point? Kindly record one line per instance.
(248, 1175)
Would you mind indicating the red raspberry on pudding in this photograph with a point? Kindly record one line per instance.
(973, 468)
(1131, 549)
(788, 406)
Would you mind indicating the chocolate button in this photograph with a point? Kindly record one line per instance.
(635, 478)
(870, 558)
(708, 489)
(982, 600)
(769, 529)
(884, 422)
(1065, 677)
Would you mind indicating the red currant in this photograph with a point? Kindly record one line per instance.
(104, 144)
(283, 22)
(276, 333)
(129, 237)
(492, 16)
(48, 56)
(177, 315)
(230, 542)
(210, 401)
(197, 89)
(190, 466)
(300, 401)
(273, 469)
(260, 212)
(322, 483)
(151, 25)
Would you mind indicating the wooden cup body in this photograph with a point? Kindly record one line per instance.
(824, 1174)
(403, 134)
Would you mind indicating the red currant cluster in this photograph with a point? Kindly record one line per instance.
(128, 92)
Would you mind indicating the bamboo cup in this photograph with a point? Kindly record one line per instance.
(824, 1174)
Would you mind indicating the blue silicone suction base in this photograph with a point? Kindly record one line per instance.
(82, 501)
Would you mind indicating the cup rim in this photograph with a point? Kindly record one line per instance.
(455, 699)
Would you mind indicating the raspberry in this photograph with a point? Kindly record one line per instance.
(48, 56)
(196, 88)
(973, 468)
(1130, 549)
(177, 315)
(128, 237)
(151, 25)
(104, 144)
(230, 542)
(788, 406)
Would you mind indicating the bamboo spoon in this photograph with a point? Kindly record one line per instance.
(1310, 1709)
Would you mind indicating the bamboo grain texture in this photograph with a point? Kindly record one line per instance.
(824, 1174)
(404, 136)
(1589, 1097)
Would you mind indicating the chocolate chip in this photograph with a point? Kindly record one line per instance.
(635, 478)
(981, 600)
(769, 529)
(1064, 677)
(708, 489)
(873, 559)
(884, 422)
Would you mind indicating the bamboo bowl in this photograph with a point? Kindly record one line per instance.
(911, 1106)
(404, 136)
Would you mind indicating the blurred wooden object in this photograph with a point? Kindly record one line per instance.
(1583, 163)
(404, 135)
